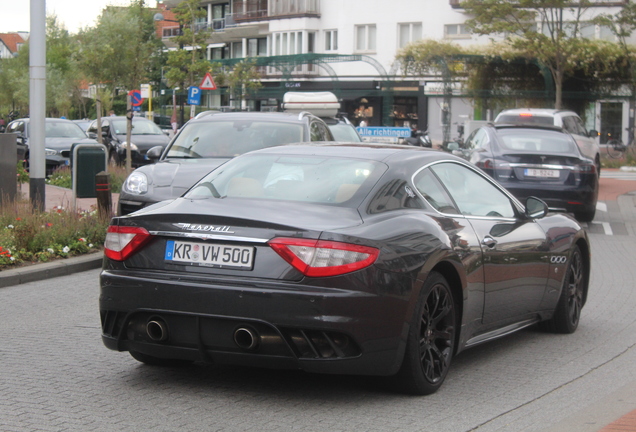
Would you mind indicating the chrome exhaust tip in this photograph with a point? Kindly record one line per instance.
(157, 330)
(246, 338)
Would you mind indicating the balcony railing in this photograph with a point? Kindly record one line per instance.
(457, 4)
(259, 9)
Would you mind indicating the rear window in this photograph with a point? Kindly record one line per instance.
(315, 179)
(232, 138)
(525, 119)
(536, 141)
(344, 133)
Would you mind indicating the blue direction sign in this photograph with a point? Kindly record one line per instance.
(194, 95)
(384, 134)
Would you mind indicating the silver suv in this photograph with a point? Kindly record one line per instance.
(568, 120)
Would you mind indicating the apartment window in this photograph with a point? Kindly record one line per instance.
(331, 40)
(409, 32)
(287, 43)
(456, 31)
(607, 34)
(237, 49)
(257, 47)
(365, 37)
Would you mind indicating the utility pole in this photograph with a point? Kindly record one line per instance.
(37, 104)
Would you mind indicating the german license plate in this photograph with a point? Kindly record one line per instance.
(543, 173)
(206, 254)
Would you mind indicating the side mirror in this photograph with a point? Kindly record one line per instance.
(535, 208)
(92, 135)
(154, 153)
(452, 146)
(593, 133)
(104, 133)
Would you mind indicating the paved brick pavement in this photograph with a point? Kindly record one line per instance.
(66, 411)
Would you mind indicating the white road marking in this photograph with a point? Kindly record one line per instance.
(601, 206)
(606, 227)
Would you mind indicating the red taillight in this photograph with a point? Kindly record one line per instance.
(122, 241)
(585, 169)
(319, 258)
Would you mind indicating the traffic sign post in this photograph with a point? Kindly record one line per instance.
(194, 95)
(207, 83)
(135, 98)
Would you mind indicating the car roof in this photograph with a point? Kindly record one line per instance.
(252, 115)
(48, 119)
(358, 150)
(539, 111)
(553, 128)
(135, 118)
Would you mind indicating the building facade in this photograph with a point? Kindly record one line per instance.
(349, 48)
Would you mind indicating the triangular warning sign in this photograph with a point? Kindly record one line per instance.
(207, 83)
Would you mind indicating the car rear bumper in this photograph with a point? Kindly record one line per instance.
(558, 197)
(326, 330)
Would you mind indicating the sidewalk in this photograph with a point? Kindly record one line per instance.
(56, 196)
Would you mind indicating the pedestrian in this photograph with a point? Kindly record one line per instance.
(111, 113)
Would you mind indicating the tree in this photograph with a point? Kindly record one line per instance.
(187, 67)
(548, 30)
(623, 25)
(117, 52)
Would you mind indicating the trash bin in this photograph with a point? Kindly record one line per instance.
(87, 160)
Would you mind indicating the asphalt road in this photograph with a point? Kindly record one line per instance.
(55, 374)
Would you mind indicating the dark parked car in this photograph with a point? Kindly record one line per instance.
(145, 134)
(59, 137)
(207, 141)
(543, 161)
(342, 258)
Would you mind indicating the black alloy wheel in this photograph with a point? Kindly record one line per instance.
(431, 342)
(568, 311)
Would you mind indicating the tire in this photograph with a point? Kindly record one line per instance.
(431, 339)
(586, 216)
(597, 162)
(568, 310)
(158, 361)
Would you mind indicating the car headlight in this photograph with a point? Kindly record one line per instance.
(133, 147)
(136, 183)
(50, 152)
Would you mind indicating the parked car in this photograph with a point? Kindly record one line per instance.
(207, 141)
(59, 137)
(568, 120)
(145, 134)
(83, 123)
(537, 160)
(345, 258)
(326, 106)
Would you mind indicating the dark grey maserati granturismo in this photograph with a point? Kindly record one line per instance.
(339, 258)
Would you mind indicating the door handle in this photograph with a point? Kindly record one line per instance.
(489, 242)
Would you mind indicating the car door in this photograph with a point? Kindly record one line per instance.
(514, 248)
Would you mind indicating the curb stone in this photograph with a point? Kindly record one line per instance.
(61, 267)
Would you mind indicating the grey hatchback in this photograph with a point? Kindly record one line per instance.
(207, 141)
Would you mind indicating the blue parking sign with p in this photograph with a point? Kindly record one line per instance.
(194, 95)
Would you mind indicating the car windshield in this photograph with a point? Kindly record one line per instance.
(536, 141)
(60, 129)
(525, 119)
(231, 138)
(316, 179)
(344, 133)
(139, 127)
